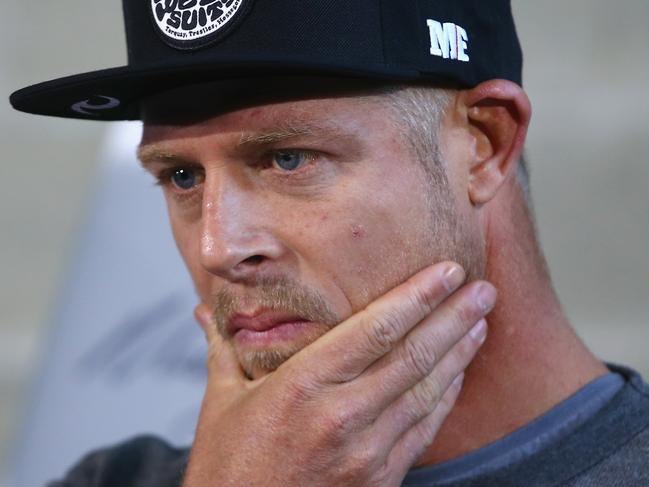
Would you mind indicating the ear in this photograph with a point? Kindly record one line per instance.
(498, 113)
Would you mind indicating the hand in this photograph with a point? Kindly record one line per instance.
(358, 406)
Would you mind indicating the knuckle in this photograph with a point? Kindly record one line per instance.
(419, 357)
(423, 434)
(422, 298)
(296, 391)
(362, 460)
(383, 330)
(339, 422)
(426, 432)
(427, 394)
(448, 399)
(463, 314)
(334, 427)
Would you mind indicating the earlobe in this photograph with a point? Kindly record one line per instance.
(498, 114)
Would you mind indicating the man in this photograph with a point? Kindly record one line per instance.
(344, 182)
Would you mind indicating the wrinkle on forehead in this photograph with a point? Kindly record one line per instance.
(326, 120)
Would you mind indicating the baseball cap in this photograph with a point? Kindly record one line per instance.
(173, 43)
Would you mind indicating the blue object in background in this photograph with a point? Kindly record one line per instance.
(125, 356)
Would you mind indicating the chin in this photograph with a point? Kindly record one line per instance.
(258, 360)
(259, 363)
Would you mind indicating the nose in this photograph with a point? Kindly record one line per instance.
(236, 242)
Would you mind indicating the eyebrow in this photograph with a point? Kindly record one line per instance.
(151, 154)
(154, 153)
(266, 138)
(291, 131)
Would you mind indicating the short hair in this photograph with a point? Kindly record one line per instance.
(421, 110)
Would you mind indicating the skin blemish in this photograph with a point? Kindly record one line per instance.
(324, 218)
(358, 232)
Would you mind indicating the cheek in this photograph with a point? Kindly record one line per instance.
(380, 238)
(363, 251)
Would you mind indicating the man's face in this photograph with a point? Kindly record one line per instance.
(292, 216)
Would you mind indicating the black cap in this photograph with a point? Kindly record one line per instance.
(172, 43)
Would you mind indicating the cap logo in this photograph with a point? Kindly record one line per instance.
(95, 105)
(192, 24)
(448, 41)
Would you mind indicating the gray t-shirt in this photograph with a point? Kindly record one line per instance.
(597, 437)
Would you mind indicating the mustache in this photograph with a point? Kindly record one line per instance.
(272, 294)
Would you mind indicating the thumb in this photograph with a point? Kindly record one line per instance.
(222, 362)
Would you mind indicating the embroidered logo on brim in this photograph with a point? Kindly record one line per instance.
(192, 24)
(95, 105)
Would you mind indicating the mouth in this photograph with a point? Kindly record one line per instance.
(266, 328)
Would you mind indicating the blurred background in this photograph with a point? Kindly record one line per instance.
(587, 73)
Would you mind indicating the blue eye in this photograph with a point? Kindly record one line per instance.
(184, 179)
(290, 161)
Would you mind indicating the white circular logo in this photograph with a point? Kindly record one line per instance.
(189, 24)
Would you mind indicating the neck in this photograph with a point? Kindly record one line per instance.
(532, 359)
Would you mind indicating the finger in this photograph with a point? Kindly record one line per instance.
(359, 341)
(222, 363)
(415, 357)
(422, 399)
(416, 441)
(203, 316)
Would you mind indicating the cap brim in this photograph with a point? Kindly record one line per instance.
(115, 94)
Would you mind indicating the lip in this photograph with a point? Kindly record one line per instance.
(260, 321)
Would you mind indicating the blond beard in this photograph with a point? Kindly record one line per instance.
(273, 294)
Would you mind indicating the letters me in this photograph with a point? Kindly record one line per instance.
(448, 41)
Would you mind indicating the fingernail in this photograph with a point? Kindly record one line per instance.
(479, 331)
(458, 381)
(453, 277)
(486, 297)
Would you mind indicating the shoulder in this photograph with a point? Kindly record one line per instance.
(143, 461)
(611, 448)
(621, 437)
(628, 466)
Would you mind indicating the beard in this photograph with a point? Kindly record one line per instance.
(273, 294)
